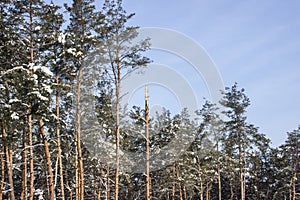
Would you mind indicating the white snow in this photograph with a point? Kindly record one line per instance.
(41, 97)
(14, 115)
(48, 88)
(44, 69)
(14, 101)
(62, 38)
(73, 52)
(38, 28)
(39, 193)
(13, 69)
(69, 94)
(35, 76)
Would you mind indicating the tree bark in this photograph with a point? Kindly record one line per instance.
(2, 163)
(242, 188)
(9, 163)
(117, 125)
(57, 130)
(231, 190)
(24, 168)
(173, 183)
(80, 182)
(48, 160)
(31, 164)
(107, 184)
(147, 145)
(219, 173)
(179, 182)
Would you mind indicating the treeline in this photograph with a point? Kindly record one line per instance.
(43, 120)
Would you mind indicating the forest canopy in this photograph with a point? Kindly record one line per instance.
(49, 135)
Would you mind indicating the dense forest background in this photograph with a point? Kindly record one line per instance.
(43, 65)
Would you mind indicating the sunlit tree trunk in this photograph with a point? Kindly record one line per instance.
(173, 183)
(23, 195)
(48, 160)
(241, 166)
(107, 183)
(2, 163)
(79, 168)
(179, 182)
(31, 165)
(57, 130)
(8, 154)
(147, 145)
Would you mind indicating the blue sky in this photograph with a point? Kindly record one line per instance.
(254, 43)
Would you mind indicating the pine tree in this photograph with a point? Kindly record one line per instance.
(290, 153)
(120, 56)
(212, 129)
(79, 42)
(241, 137)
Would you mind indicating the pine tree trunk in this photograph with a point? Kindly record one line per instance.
(201, 183)
(107, 184)
(100, 184)
(294, 179)
(179, 182)
(184, 192)
(80, 186)
(24, 168)
(117, 125)
(231, 190)
(48, 160)
(241, 167)
(147, 145)
(9, 155)
(173, 183)
(208, 188)
(2, 163)
(95, 186)
(57, 130)
(9, 164)
(201, 190)
(219, 173)
(31, 164)
(77, 185)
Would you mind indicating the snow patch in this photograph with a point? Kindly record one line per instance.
(62, 38)
(41, 97)
(39, 193)
(44, 69)
(11, 101)
(47, 88)
(14, 115)
(38, 28)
